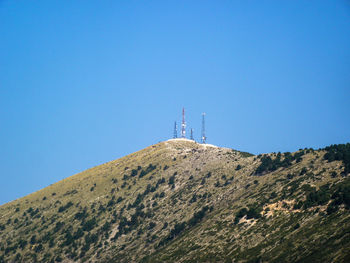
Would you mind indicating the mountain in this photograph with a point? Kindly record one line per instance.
(180, 201)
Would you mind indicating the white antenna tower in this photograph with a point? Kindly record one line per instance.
(183, 124)
(204, 138)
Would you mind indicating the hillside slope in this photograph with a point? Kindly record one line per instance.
(179, 201)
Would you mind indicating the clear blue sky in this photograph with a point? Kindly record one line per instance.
(86, 82)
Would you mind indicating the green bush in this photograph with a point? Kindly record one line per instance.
(269, 165)
(58, 226)
(303, 171)
(89, 224)
(149, 169)
(81, 214)
(33, 239)
(339, 152)
(65, 207)
(171, 180)
(151, 225)
(315, 198)
(198, 216)
(78, 234)
(134, 172)
(252, 212)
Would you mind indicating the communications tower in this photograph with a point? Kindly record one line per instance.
(203, 138)
(183, 124)
(175, 130)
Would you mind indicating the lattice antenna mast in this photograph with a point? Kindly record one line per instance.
(204, 138)
(183, 125)
(191, 135)
(175, 130)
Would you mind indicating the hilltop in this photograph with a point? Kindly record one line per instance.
(180, 201)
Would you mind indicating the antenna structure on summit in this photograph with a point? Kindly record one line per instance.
(175, 130)
(183, 129)
(183, 124)
(204, 138)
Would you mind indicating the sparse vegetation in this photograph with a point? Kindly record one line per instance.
(269, 164)
(65, 207)
(134, 212)
(339, 152)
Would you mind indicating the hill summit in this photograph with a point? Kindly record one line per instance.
(180, 201)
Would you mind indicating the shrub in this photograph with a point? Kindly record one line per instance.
(303, 171)
(290, 176)
(106, 226)
(241, 213)
(161, 181)
(269, 165)
(253, 212)
(296, 226)
(341, 194)
(22, 243)
(198, 216)
(332, 208)
(134, 172)
(110, 203)
(171, 180)
(149, 169)
(17, 258)
(78, 234)
(89, 225)
(178, 228)
(151, 225)
(339, 152)
(142, 174)
(68, 239)
(91, 238)
(65, 207)
(32, 212)
(315, 198)
(58, 226)
(298, 205)
(33, 240)
(81, 215)
(193, 199)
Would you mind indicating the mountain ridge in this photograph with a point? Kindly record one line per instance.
(180, 201)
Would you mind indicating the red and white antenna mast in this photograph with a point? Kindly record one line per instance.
(183, 124)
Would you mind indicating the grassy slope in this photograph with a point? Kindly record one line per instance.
(204, 176)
